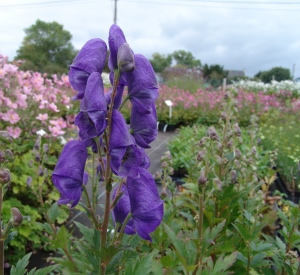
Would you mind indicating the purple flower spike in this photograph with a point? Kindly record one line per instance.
(146, 206)
(68, 175)
(125, 155)
(93, 109)
(91, 58)
(115, 40)
(142, 84)
(143, 127)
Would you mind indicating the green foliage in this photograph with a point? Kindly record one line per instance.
(20, 268)
(276, 73)
(46, 48)
(280, 134)
(186, 59)
(159, 62)
(214, 74)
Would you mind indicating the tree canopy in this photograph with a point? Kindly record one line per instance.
(186, 59)
(46, 48)
(159, 61)
(182, 59)
(276, 73)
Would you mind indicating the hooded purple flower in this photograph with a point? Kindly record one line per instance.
(93, 109)
(141, 198)
(115, 39)
(68, 175)
(142, 85)
(91, 58)
(143, 127)
(125, 155)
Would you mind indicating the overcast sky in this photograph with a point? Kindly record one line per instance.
(249, 35)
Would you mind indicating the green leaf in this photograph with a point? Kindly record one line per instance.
(10, 236)
(45, 270)
(87, 233)
(21, 265)
(62, 238)
(224, 264)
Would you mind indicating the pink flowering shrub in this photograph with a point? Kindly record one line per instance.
(30, 102)
(203, 106)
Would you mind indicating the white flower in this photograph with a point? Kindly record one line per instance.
(41, 132)
(62, 140)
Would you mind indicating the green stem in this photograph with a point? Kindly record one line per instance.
(90, 208)
(200, 233)
(120, 237)
(123, 103)
(1, 236)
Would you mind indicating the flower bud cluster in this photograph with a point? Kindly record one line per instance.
(6, 157)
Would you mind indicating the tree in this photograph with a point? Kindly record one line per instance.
(214, 74)
(187, 59)
(276, 73)
(159, 62)
(46, 48)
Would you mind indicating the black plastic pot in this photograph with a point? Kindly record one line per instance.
(164, 127)
(280, 186)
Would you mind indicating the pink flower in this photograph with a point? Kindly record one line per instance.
(53, 107)
(59, 122)
(11, 116)
(56, 131)
(42, 117)
(14, 132)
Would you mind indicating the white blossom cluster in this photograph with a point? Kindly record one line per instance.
(270, 88)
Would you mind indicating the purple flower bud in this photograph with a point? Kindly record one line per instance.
(37, 157)
(2, 157)
(238, 153)
(229, 143)
(37, 143)
(237, 129)
(202, 179)
(5, 137)
(253, 150)
(202, 142)
(41, 172)
(4, 176)
(223, 116)
(9, 155)
(125, 58)
(16, 217)
(30, 163)
(212, 133)
(45, 148)
(218, 183)
(164, 165)
(201, 155)
(29, 181)
(233, 177)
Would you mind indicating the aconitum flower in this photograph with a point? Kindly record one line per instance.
(125, 156)
(141, 199)
(68, 174)
(91, 58)
(143, 126)
(115, 39)
(93, 109)
(142, 84)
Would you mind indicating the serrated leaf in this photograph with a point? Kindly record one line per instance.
(45, 270)
(20, 268)
(224, 264)
(53, 212)
(281, 245)
(87, 233)
(10, 237)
